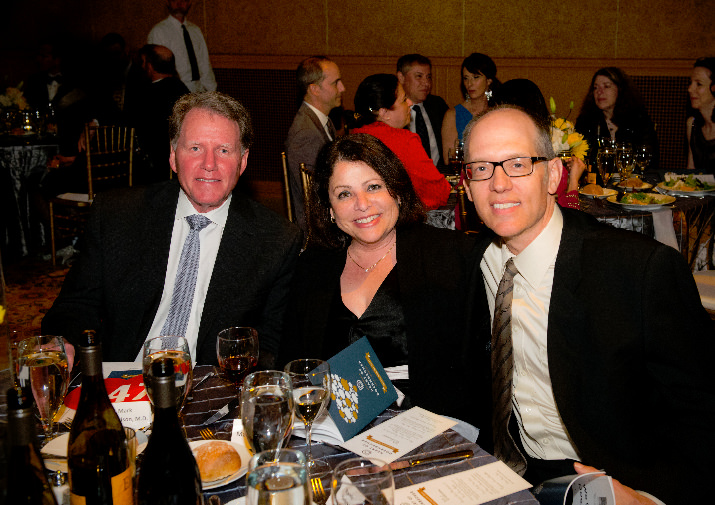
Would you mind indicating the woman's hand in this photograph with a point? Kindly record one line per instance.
(575, 167)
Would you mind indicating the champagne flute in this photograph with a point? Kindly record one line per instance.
(606, 161)
(311, 394)
(177, 349)
(267, 409)
(626, 162)
(358, 481)
(43, 367)
(237, 353)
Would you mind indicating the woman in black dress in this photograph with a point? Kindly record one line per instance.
(701, 124)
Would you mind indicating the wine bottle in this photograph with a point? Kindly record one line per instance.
(169, 474)
(26, 478)
(100, 471)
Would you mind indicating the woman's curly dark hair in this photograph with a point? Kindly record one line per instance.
(629, 103)
(376, 155)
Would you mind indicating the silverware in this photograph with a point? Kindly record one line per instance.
(222, 412)
(410, 462)
(320, 496)
(207, 434)
(210, 374)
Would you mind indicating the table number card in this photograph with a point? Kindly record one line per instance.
(393, 439)
(360, 388)
(471, 487)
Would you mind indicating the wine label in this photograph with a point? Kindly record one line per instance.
(591, 178)
(123, 487)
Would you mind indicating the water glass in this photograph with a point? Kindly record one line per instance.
(177, 349)
(278, 476)
(267, 409)
(358, 481)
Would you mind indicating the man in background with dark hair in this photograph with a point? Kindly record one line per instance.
(151, 117)
(321, 88)
(414, 72)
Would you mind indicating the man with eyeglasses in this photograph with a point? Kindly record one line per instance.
(601, 338)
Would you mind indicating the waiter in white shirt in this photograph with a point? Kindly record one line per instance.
(187, 43)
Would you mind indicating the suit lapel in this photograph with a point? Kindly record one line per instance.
(314, 118)
(159, 228)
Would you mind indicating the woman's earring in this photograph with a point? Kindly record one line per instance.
(332, 218)
(488, 93)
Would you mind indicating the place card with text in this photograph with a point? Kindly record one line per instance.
(396, 437)
(471, 487)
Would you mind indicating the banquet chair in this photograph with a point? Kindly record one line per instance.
(307, 178)
(463, 209)
(109, 155)
(286, 187)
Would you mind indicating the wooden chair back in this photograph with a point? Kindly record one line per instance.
(286, 187)
(110, 156)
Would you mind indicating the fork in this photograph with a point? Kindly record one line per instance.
(320, 496)
(207, 434)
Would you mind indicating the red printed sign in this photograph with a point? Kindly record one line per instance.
(119, 390)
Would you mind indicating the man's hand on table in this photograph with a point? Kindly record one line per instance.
(624, 494)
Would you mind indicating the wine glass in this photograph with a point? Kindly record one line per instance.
(642, 157)
(311, 394)
(626, 162)
(606, 161)
(455, 157)
(358, 481)
(267, 409)
(237, 353)
(277, 477)
(43, 366)
(176, 348)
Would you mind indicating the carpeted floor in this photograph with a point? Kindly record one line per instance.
(31, 285)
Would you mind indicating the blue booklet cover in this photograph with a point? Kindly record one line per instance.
(360, 389)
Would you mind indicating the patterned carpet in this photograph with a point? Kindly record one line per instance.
(32, 286)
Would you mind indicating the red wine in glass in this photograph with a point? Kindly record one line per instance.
(235, 368)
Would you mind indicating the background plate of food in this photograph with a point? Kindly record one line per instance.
(641, 201)
(596, 191)
(686, 186)
(634, 182)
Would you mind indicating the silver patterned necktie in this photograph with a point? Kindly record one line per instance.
(185, 283)
(505, 447)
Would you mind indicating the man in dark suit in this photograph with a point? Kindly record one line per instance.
(600, 356)
(320, 85)
(150, 116)
(414, 72)
(123, 284)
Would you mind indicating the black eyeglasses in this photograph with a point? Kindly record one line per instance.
(513, 167)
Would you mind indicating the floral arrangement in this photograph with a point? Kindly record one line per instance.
(564, 137)
(13, 99)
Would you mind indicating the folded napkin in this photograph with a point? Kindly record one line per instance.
(709, 178)
(663, 225)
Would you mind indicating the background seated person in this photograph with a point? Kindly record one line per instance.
(384, 111)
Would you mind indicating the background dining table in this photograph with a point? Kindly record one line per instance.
(22, 159)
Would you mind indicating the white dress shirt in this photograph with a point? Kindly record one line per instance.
(322, 118)
(542, 432)
(210, 240)
(434, 149)
(169, 33)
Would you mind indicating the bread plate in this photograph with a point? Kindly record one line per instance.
(54, 452)
(663, 200)
(662, 188)
(644, 185)
(242, 452)
(606, 193)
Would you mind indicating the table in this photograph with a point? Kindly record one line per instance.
(213, 394)
(20, 161)
(692, 219)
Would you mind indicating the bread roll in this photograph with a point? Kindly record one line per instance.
(216, 460)
(633, 182)
(592, 189)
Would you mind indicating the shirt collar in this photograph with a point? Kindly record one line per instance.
(178, 23)
(534, 261)
(218, 216)
(321, 117)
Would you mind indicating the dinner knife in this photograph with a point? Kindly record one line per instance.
(222, 411)
(410, 462)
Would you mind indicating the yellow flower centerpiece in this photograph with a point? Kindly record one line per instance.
(566, 141)
(13, 99)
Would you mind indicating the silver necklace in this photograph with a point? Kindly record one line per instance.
(374, 264)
